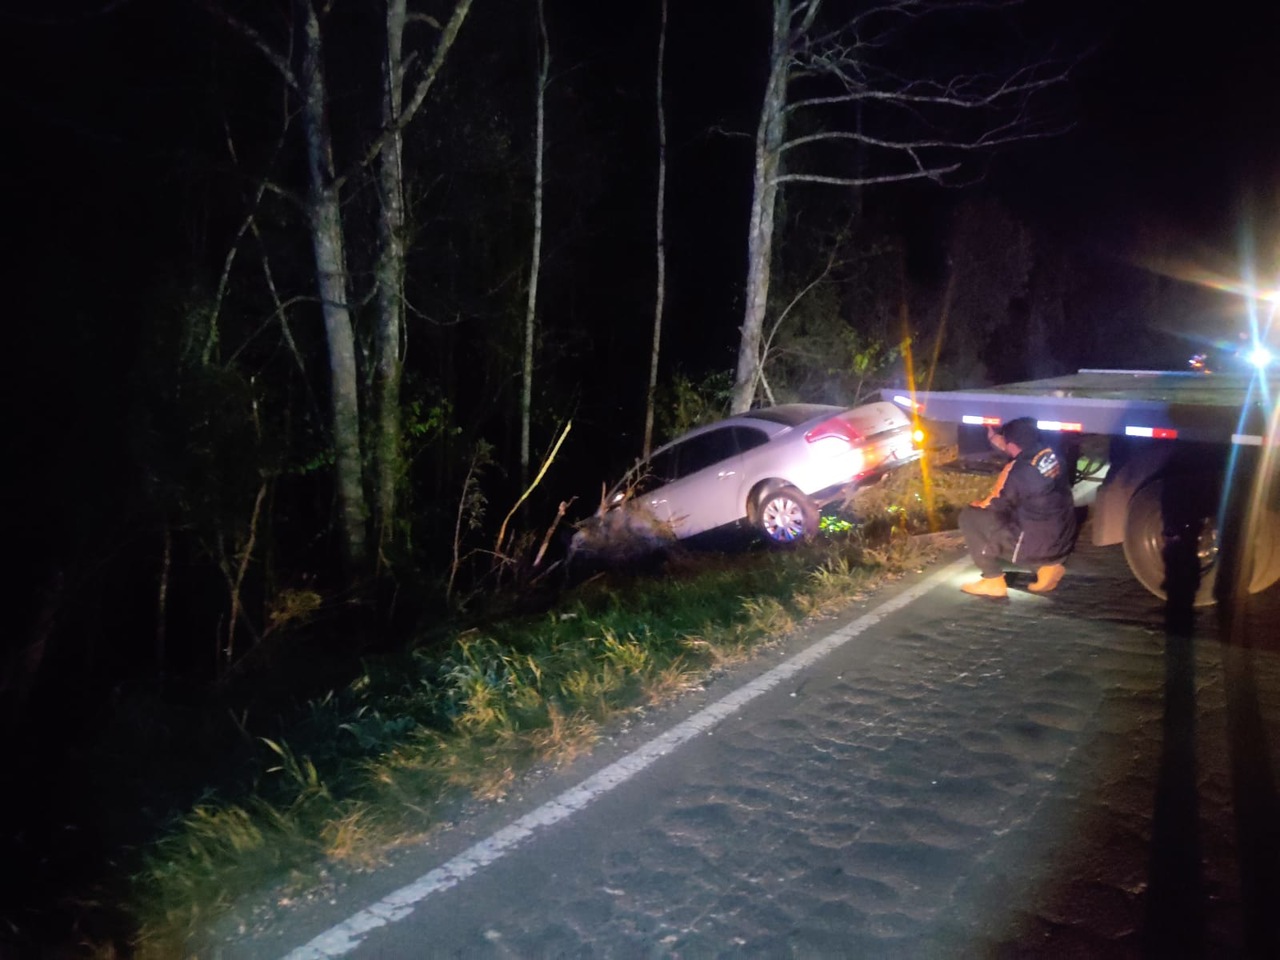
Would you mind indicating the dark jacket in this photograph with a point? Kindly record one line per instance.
(1033, 498)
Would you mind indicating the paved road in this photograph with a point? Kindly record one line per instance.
(1050, 776)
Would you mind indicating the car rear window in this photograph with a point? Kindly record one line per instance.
(874, 418)
(793, 414)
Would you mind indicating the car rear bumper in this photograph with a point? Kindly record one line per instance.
(842, 491)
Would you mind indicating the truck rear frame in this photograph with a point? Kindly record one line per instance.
(1178, 467)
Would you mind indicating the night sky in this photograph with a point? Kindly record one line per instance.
(114, 123)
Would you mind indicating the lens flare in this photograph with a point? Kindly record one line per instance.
(1260, 357)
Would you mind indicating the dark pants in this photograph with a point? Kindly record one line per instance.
(988, 538)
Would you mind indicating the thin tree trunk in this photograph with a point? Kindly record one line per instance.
(390, 280)
(531, 309)
(769, 139)
(162, 602)
(325, 221)
(661, 218)
(236, 584)
(325, 217)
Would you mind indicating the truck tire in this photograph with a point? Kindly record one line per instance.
(1180, 551)
(1265, 542)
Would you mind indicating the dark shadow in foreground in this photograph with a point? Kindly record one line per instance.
(1247, 632)
(1243, 632)
(1175, 919)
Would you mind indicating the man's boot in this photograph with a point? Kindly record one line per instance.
(987, 587)
(1047, 578)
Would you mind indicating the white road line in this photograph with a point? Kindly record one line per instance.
(344, 937)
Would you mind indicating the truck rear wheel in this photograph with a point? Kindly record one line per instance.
(1171, 538)
(1265, 543)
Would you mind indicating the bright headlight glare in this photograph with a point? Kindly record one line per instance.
(1260, 357)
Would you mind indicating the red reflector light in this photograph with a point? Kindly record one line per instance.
(1060, 425)
(1156, 433)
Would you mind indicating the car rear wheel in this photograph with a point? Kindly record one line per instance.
(786, 516)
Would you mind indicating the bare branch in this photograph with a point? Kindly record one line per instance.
(726, 132)
(923, 174)
(546, 539)
(804, 291)
(280, 313)
(230, 259)
(906, 11)
(250, 224)
(957, 93)
(542, 471)
(281, 310)
(802, 16)
(997, 136)
(257, 41)
(767, 344)
(425, 83)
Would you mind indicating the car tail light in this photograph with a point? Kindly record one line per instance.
(834, 429)
(838, 438)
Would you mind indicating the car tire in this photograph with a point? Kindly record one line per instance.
(785, 516)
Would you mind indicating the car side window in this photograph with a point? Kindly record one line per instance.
(698, 453)
(663, 467)
(695, 454)
(748, 438)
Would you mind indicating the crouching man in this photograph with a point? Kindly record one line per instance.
(1028, 519)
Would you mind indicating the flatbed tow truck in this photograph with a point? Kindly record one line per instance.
(1179, 467)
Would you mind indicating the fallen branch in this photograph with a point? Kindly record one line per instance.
(546, 540)
(542, 471)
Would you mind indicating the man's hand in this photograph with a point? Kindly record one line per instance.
(996, 439)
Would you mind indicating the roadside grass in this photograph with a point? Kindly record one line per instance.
(379, 762)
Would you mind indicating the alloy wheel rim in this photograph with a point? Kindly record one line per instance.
(783, 519)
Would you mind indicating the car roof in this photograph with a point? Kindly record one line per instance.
(792, 414)
(775, 420)
(778, 419)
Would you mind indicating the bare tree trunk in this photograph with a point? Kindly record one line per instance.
(162, 602)
(325, 222)
(764, 192)
(531, 309)
(856, 59)
(390, 280)
(661, 239)
(325, 217)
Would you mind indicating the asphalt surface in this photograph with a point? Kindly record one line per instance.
(1075, 775)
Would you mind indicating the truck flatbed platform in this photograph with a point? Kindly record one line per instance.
(1209, 407)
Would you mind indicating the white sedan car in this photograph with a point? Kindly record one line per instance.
(774, 468)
